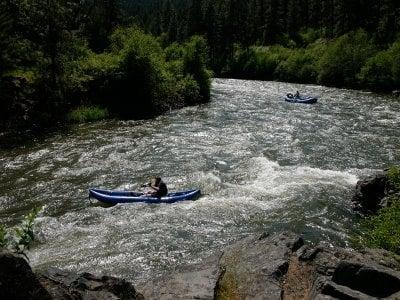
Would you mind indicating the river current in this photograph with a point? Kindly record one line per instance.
(262, 164)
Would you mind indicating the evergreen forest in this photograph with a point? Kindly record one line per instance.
(79, 60)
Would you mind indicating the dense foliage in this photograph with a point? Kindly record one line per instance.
(138, 58)
(58, 56)
(352, 60)
(266, 22)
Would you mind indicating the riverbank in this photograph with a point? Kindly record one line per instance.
(378, 198)
(287, 167)
(352, 60)
(280, 266)
(134, 78)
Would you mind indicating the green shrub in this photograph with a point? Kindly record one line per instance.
(189, 90)
(382, 71)
(310, 35)
(174, 52)
(344, 59)
(394, 177)
(137, 78)
(395, 50)
(3, 237)
(194, 63)
(299, 67)
(258, 62)
(85, 114)
(377, 72)
(20, 238)
(383, 230)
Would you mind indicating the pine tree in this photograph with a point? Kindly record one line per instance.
(387, 27)
(314, 13)
(327, 11)
(5, 30)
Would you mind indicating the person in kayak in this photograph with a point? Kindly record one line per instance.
(297, 95)
(157, 188)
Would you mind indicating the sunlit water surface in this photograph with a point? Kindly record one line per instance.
(261, 163)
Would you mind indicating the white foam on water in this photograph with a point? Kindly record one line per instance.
(261, 163)
(269, 177)
(38, 154)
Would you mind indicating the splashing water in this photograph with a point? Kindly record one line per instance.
(262, 164)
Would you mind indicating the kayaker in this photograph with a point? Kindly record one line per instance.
(157, 188)
(297, 95)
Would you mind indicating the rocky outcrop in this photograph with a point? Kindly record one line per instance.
(68, 285)
(278, 266)
(343, 274)
(17, 281)
(252, 267)
(373, 193)
(281, 267)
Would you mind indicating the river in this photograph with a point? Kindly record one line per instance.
(261, 163)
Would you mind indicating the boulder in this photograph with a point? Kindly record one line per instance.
(279, 266)
(68, 285)
(250, 268)
(344, 274)
(254, 268)
(17, 281)
(373, 193)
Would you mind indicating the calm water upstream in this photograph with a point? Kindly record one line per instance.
(263, 165)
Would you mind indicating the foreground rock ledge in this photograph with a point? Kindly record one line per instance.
(17, 281)
(267, 266)
(281, 267)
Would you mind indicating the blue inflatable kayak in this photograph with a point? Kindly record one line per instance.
(302, 99)
(114, 197)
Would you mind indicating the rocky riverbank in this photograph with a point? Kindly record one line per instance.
(18, 281)
(279, 266)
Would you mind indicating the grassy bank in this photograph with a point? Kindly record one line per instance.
(383, 230)
(86, 114)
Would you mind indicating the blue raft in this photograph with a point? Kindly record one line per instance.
(115, 197)
(302, 99)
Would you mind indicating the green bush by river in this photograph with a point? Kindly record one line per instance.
(352, 60)
(133, 78)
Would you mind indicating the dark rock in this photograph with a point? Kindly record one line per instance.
(371, 191)
(252, 268)
(68, 285)
(306, 253)
(345, 274)
(191, 282)
(269, 268)
(17, 281)
(372, 280)
(336, 291)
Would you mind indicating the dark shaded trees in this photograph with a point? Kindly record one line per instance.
(266, 22)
